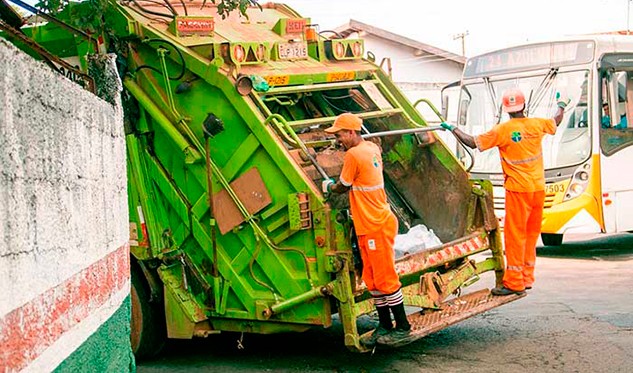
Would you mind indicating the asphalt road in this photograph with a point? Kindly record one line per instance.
(578, 318)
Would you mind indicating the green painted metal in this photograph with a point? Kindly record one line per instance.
(288, 263)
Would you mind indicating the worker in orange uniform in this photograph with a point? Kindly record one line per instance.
(376, 226)
(519, 143)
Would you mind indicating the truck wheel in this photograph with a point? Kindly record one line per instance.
(147, 334)
(552, 239)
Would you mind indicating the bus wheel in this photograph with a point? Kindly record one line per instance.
(552, 239)
(147, 334)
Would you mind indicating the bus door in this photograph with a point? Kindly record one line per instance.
(616, 140)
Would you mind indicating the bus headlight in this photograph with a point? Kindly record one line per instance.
(579, 182)
(582, 176)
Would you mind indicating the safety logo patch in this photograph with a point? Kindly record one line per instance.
(375, 161)
(516, 136)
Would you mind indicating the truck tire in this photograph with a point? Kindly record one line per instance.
(552, 239)
(147, 325)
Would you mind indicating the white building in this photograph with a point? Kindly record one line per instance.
(418, 69)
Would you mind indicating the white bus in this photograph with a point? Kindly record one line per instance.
(589, 161)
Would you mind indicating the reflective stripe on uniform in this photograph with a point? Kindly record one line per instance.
(368, 188)
(521, 161)
(395, 298)
(380, 301)
(529, 264)
(515, 268)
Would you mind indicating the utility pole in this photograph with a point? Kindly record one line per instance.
(463, 37)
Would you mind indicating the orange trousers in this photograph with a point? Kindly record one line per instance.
(524, 214)
(376, 252)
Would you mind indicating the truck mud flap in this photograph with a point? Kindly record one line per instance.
(452, 311)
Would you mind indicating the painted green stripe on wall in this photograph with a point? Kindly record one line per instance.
(106, 350)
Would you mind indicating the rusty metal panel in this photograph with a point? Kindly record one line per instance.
(251, 191)
(434, 257)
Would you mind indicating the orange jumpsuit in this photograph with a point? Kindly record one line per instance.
(519, 143)
(376, 226)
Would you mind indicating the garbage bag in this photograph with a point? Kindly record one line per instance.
(418, 238)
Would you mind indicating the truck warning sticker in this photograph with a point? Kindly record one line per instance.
(341, 76)
(276, 80)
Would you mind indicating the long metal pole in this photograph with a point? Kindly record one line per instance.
(402, 132)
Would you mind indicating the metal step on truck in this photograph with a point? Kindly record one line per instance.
(226, 152)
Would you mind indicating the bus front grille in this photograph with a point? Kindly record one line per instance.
(549, 200)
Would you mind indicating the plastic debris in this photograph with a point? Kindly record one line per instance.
(418, 238)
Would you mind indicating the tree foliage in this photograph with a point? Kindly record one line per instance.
(227, 6)
(90, 17)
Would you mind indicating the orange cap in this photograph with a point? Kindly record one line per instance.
(345, 121)
(513, 100)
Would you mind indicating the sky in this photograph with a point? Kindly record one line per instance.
(491, 24)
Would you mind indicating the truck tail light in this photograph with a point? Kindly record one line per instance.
(339, 50)
(260, 53)
(239, 54)
(357, 49)
(311, 33)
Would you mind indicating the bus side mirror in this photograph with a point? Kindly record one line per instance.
(444, 106)
(462, 112)
(445, 92)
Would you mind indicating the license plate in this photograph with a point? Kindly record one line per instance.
(293, 51)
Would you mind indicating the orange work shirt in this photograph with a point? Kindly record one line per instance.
(519, 143)
(362, 171)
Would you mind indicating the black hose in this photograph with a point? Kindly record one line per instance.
(182, 59)
(161, 4)
(184, 7)
(173, 11)
(338, 35)
(152, 12)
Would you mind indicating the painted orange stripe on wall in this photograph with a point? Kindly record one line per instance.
(28, 330)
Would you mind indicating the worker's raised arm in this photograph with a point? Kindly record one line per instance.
(561, 102)
(465, 138)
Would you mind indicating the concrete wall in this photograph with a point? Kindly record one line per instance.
(64, 256)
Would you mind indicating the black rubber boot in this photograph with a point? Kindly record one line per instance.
(400, 316)
(401, 334)
(384, 317)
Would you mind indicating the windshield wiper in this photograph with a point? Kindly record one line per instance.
(546, 83)
(493, 98)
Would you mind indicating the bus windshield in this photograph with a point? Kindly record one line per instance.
(480, 110)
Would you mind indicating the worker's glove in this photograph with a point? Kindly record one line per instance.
(448, 127)
(326, 186)
(562, 101)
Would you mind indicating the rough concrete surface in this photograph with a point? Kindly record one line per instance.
(64, 255)
(578, 318)
(62, 178)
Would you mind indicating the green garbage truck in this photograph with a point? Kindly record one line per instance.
(224, 120)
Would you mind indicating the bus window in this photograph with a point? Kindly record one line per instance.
(617, 112)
